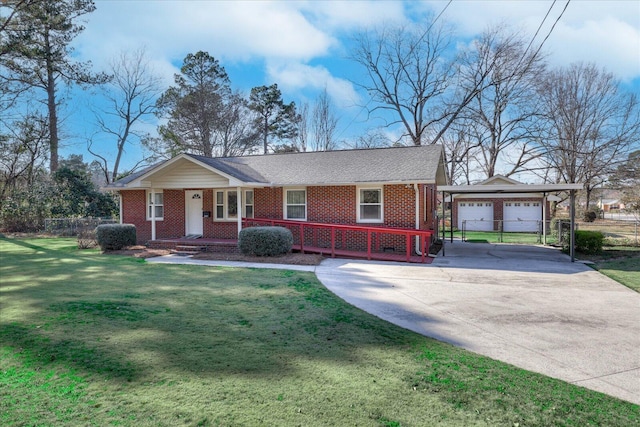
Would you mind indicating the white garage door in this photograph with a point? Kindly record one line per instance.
(478, 216)
(522, 216)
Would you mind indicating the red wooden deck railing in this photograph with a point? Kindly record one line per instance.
(349, 240)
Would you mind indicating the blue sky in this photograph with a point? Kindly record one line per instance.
(303, 46)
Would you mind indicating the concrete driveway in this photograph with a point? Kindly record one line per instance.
(525, 305)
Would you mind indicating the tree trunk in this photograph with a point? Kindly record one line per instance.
(53, 113)
(266, 135)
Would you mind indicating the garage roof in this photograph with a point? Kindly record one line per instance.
(509, 188)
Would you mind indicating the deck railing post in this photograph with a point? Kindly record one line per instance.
(302, 238)
(408, 239)
(422, 249)
(333, 242)
(368, 244)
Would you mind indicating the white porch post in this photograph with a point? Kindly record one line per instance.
(153, 214)
(240, 210)
(120, 206)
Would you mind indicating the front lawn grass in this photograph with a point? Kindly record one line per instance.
(91, 339)
(621, 263)
(505, 237)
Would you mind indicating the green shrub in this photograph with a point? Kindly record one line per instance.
(590, 215)
(113, 237)
(265, 241)
(587, 242)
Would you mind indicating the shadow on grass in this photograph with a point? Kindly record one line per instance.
(118, 318)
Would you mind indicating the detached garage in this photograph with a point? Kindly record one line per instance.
(488, 211)
(512, 205)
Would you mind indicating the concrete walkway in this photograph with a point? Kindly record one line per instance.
(528, 306)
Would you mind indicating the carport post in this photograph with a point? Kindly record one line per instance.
(544, 219)
(572, 234)
(443, 221)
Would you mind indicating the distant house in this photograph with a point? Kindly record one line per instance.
(608, 205)
(197, 196)
(488, 211)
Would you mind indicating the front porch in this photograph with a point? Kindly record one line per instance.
(333, 240)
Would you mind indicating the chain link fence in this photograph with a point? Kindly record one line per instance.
(72, 226)
(617, 233)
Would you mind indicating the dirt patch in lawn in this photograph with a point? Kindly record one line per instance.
(139, 252)
(291, 258)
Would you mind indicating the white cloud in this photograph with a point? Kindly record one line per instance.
(604, 32)
(234, 31)
(609, 42)
(349, 15)
(296, 77)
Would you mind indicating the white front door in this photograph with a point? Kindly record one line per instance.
(193, 212)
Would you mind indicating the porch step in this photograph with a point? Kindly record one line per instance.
(188, 249)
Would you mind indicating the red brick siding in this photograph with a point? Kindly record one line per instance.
(331, 205)
(134, 211)
(335, 205)
(173, 225)
(267, 203)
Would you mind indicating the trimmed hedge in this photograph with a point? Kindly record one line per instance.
(265, 241)
(113, 237)
(587, 242)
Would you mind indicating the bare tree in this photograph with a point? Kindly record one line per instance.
(373, 138)
(590, 124)
(131, 95)
(323, 124)
(236, 128)
(409, 78)
(500, 117)
(301, 140)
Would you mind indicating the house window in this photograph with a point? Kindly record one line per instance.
(248, 204)
(226, 205)
(295, 204)
(219, 204)
(370, 206)
(155, 205)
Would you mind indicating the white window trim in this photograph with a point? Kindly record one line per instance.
(284, 203)
(225, 201)
(370, 221)
(245, 204)
(225, 205)
(150, 194)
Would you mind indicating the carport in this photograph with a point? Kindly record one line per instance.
(545, 189)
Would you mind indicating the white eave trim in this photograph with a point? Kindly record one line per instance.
(517, 188)
(359, 183)
(233, 182)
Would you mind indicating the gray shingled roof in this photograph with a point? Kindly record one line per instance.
(397, 164)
